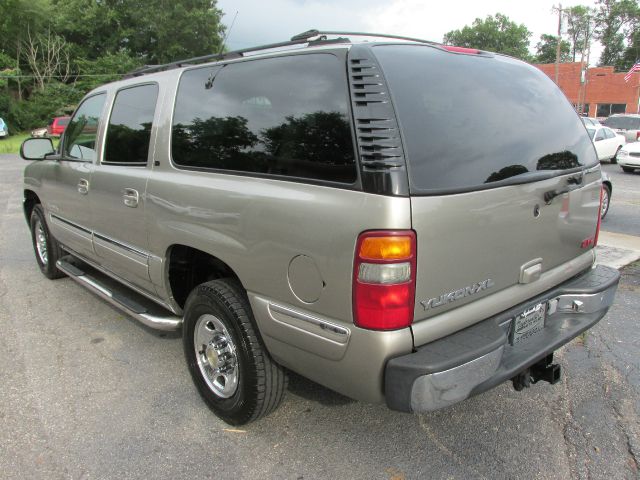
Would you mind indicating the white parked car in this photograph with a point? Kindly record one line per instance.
(607, 142)
(629, 157)
(39, 132)
(590, 122)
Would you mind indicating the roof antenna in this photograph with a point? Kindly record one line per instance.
(224, 40)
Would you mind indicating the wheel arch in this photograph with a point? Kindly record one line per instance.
(30, 200)
(188, 267)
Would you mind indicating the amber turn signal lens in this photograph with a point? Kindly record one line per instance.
(386, 248)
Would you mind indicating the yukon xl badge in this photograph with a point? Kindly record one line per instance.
(457, 294)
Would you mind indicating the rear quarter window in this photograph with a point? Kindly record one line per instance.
(469, 121)
(284, 116)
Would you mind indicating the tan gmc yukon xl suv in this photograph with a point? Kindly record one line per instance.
(400, 221)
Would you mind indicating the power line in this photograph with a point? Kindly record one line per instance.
(64, 76)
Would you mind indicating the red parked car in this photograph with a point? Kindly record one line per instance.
(56, 126)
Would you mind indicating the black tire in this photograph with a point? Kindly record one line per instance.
(606, 201)
(614, 159)
(260, 381)
(628, 169)
(51, 251)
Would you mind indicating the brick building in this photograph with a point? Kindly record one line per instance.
(604, 91)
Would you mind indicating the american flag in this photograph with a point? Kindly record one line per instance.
(634, 69)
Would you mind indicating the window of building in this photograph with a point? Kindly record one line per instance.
(129, 130)
(606, 109)
(279, 116)
(80, 136)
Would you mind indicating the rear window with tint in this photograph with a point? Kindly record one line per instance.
(470, 121)
(63, 121)
(285, 116)
(624, 123)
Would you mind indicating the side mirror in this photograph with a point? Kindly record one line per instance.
(36, 148)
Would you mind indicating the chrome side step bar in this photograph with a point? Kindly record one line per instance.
(128, 301)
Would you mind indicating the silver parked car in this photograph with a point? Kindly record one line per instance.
(312, 208)
(625, 124)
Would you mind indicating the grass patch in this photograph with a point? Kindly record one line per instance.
(12, 144)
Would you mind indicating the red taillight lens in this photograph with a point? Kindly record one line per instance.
(591, 242)
(638, 135)
(384, 278)
(595, 238)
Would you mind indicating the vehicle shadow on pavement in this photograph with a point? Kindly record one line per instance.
(309, 390)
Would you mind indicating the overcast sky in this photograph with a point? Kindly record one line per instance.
(266, 21)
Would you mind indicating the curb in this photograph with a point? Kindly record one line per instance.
(617, 249)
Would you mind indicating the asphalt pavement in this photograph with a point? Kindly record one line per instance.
(87, 392)
(623, 216)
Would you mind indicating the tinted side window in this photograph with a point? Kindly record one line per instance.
(80, 135)
(282, 116)
(129, 130)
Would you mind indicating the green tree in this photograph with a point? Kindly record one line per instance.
(494, 33)
(579, 28)
(546, 50)
(17, 18)
(615, 20)
(155, 31)
(632, 52)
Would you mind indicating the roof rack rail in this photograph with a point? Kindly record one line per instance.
(322, 33)
(299, 39)
(227, 55)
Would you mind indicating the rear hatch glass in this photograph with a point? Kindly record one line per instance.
(471, 122)
(623, 123)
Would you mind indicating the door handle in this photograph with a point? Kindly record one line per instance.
(83, 186)
(130, 197)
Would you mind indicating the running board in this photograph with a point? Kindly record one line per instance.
(133, 304)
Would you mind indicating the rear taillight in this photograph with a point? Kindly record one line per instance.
(384, 279)
(638, 135)
(591, 242)
(595, 237)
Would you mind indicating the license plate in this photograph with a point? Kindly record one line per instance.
(528, 323)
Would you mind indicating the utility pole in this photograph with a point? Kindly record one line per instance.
(584, 68)
(559, 42)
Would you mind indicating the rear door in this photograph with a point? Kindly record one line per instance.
(119, 183)
(601, 144)
(496, 159)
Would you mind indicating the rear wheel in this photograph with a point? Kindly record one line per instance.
(45, 246)
(226, 357)
(606, 200)
(628, 169)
